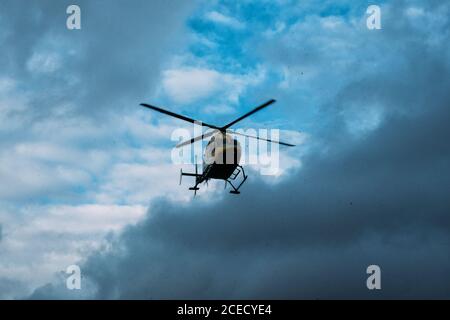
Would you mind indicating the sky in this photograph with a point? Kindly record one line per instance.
(87, 177)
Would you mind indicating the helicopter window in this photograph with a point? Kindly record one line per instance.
(211, 141)
(213, 152)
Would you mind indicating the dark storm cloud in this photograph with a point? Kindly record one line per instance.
(8, 286)
(116, 55)
(382, 200)
(378, 198)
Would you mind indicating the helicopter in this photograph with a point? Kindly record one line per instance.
(222, 153)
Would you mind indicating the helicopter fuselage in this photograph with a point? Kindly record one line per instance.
(222, 157)
(223, 152)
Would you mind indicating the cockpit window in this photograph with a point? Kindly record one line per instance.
(211, 141)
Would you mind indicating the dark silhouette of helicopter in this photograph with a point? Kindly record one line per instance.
(222, 153)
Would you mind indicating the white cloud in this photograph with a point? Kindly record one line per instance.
(218, 109)
(331, 22)
(139, 183)
(220, 18)
(189, 84)
(86, 219)
(6, 84)
(54, 150)
(97, 185)
(12, 104)
(277, 29)
(23, 178)
(414, 12)
(203, 40)
(40, 241)
(289, 159)
(44, 63)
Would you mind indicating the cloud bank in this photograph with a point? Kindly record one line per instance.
(373, 191)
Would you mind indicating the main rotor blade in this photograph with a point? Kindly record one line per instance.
(203, 136)
(258, 138)
(179, 116)
(249, 113)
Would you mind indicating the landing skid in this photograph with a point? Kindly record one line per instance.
(199, 178)
(235, 189)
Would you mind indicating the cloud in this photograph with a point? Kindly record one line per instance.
(371, 187)
(95, 71)
(76, 187)
(220, 18)
(187, 85)
(44, 63)
(8, 286)
(378, 201)
(45, 239)
(218, 109)
(69, 108)
(370, 194)
(88, 219)
(138, 183)
(36, 178)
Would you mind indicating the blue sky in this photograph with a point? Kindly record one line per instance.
(81, 160)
